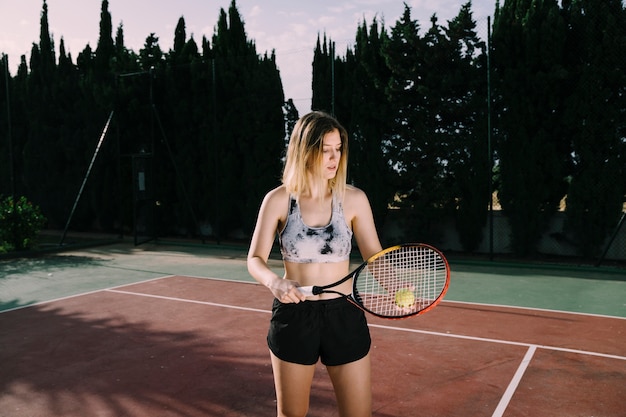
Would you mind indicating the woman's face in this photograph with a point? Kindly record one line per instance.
(331, 154)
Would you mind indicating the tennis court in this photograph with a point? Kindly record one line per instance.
(179, 330)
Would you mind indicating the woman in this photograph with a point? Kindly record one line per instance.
(315, 215)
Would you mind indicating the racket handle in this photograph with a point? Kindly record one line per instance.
(308, 290)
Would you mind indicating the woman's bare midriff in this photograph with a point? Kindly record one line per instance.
(320, 274)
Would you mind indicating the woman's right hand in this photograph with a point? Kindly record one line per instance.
(286, 291)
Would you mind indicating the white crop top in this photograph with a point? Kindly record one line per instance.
(300, 243)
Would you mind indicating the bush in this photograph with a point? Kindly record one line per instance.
(20, 223)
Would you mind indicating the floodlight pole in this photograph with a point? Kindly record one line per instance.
(216, 148)
(332, 75)
(490, 152)
(82, 187)
(5, 58)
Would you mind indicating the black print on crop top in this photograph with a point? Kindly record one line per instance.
(300, 243)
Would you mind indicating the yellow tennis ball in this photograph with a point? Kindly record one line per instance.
(405, 298)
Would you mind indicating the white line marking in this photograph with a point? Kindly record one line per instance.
(503, 342)
(68, 297)
(456, 336)
(548, 310)
(508, 394)
(401, 329)
(256, 310)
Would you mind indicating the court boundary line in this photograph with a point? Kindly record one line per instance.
(68, 297)
(547, 310)
(458, 336)
(185, 300)
(443, 302)
(447, 301)
(506, 396)
(517, 378)
(380, 326)
(503, 342)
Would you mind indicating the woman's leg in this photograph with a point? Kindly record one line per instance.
(353, 387)
(293, 387)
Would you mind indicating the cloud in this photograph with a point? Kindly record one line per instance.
(298, 29)
(338, 9)
(323, 21)
(255, 11)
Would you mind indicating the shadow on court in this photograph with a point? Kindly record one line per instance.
(44, 265)
(19, 276)
(99, 355)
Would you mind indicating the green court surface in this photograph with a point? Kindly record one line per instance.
(54, 275)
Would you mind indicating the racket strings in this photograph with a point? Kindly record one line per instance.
(402, 282)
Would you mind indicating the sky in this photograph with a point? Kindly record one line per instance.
(289, 27)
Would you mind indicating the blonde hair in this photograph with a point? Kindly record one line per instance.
(304, 156)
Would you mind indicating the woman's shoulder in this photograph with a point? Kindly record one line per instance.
(277, 196)
(354, 195)
(275, 205)
(354, 201)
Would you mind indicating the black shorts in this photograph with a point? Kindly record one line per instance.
(334, 330)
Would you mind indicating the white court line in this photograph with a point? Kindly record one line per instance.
(510, 390)
(456, 336)
(547, 310)
(505, 399)
(503, 342)
(184, 300)
(68, 297)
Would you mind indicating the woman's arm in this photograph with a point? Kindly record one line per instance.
(271, 215)
(363, 225)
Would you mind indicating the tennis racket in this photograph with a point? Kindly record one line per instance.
(397, 282)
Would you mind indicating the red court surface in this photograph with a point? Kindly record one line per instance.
(181, 346)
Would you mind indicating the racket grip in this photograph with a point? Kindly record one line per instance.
(308, 290)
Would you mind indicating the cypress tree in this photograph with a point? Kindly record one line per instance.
(414, 147)
(183, 112)
(370, 120)
(595, 114)
(464, 120)
(180, 36)
(105, 49)
(39, 150)
(533, 152)
(124, 60)
(322, 77)
(46, 47)
(250, 122)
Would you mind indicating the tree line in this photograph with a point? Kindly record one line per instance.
(440, 119)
